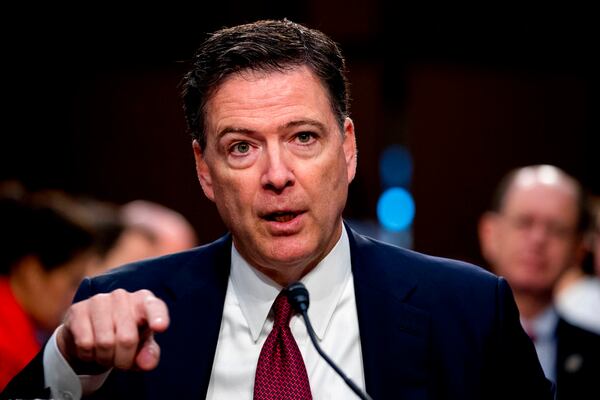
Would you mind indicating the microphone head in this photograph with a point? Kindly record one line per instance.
(297, 294)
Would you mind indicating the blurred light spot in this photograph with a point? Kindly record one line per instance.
(396, 209)
(395, 166)
(542, 174)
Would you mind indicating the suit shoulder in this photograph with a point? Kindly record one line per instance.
(394, 257)
(153, 272)
(568, 332)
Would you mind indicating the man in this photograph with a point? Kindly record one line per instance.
(267, 104)
(577, 296)
(532, 236)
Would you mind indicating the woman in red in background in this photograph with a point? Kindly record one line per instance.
(46, 243)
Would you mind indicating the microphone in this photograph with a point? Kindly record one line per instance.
(297, 295)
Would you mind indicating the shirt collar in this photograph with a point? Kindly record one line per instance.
(544, 324)
(325, 283)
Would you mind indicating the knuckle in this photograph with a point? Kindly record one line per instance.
(84, 344)
(145, 295)
(119, 293)
(104, 342)
(75, 311)
(127, 340)
(98, 300)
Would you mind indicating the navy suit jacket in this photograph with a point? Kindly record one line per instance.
(577, 362)
(430, 328)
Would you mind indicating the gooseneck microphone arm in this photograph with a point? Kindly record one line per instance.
(297, 294)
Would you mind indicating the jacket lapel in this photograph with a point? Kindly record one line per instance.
(197, 296)
(393, 334)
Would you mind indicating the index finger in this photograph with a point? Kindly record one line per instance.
(153, 310)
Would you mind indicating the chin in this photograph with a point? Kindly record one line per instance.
(534, 286)
(293, 256)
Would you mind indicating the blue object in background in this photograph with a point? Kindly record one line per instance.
(395, 166)
(395, 209)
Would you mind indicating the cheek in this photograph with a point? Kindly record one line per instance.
(511, 244)
(505, 250)
(53, 300)
(562, 253)
(60, 293)
(62, 288)
(331, 175)
(234, 195)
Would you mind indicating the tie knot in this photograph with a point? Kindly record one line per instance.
(282, 311)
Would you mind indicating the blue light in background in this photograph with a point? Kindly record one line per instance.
(395, 209)
(395, 166)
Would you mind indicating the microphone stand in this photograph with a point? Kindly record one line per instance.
(298, 296)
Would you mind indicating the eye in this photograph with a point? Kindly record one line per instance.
(240, 148)
(305, 137)
(522, 222)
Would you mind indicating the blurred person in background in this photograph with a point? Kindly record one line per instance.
(595, 236)
(147, 230)
(577, 296)
(532, 235)
(46, 248)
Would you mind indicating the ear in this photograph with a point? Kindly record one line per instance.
(487, 230)
(203, 171)
(350, 148)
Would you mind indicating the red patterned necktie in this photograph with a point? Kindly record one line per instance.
(280, 373)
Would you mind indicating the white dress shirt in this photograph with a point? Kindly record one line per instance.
(543, 327)
(245, 325)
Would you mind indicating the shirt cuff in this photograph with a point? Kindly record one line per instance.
(63, 382)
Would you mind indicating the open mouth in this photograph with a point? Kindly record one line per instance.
(281, 216)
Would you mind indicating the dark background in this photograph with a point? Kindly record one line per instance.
(91, 101)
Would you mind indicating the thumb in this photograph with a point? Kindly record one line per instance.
(148, 354)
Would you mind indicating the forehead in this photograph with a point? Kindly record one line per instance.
(556, 200)
(253, 96)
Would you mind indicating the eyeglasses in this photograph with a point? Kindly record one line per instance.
(553, 229)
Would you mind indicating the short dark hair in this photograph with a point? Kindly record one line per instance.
(583, 216)
(268, 45)
(48, 224)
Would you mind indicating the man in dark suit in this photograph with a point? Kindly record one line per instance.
(267, 105)
(532, 236)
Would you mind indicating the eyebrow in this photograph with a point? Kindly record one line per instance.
(292, 124)
(312, 122)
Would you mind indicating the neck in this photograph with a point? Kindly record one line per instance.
(26, 280)
(531, 305)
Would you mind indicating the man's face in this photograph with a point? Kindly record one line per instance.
(533, 239)
(278, 167)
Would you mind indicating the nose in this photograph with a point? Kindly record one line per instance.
(538, 235)
(277, 174)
